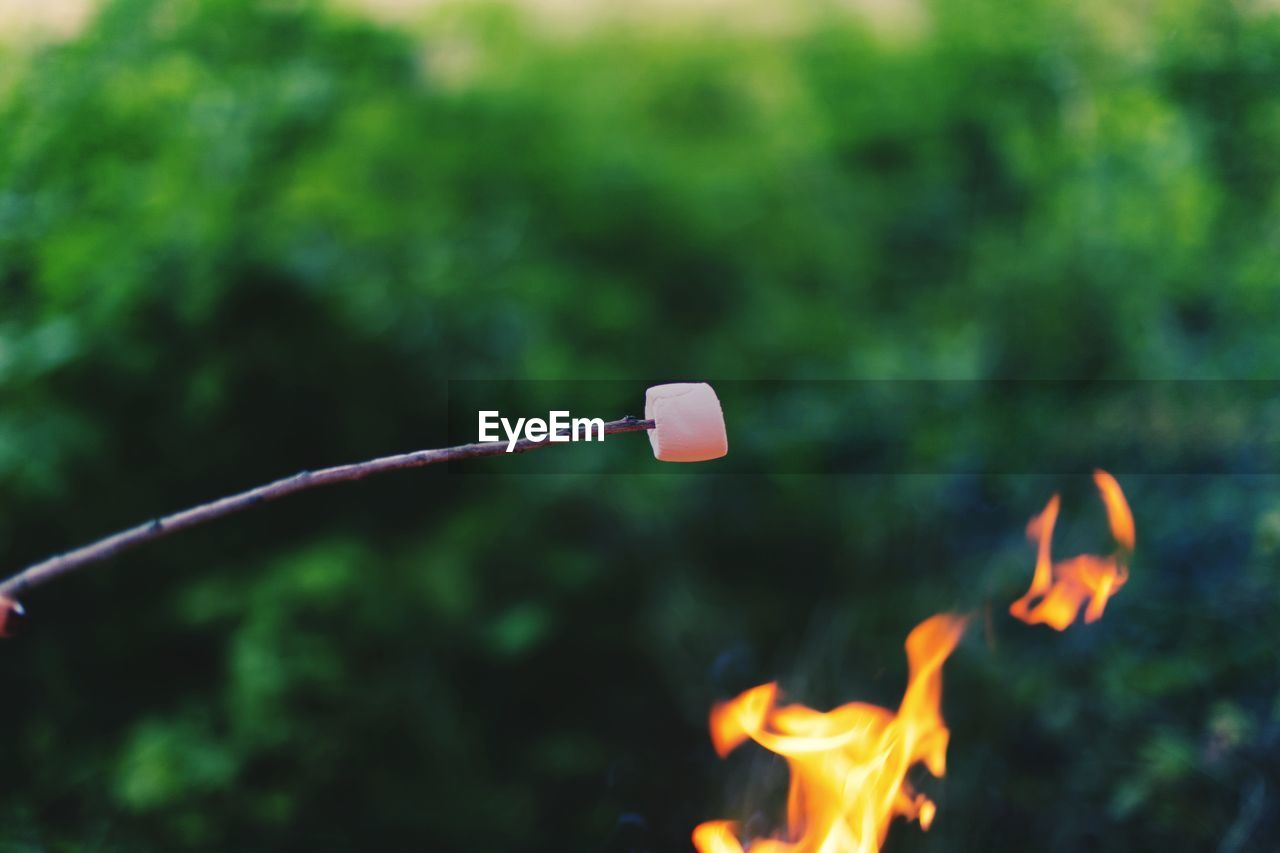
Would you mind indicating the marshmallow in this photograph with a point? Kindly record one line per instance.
(689, 422)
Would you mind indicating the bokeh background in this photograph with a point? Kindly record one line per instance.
(239, 239)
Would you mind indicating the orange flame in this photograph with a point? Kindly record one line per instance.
(848, 766)
(1063, 588)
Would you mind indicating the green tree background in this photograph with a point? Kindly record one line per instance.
(240, 239)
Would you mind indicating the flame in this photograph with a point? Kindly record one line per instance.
(1063, 587)
(848, 766)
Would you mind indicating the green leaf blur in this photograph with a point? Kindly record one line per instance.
(239, 239)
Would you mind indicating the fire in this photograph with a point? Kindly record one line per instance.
(1064, 587)
(848, 766)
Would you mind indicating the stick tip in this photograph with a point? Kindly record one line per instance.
(12, 616)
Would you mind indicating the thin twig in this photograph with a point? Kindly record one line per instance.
(47, 570)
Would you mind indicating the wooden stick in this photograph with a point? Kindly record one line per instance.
(47, 570)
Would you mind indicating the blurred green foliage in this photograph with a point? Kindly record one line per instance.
(239, 239)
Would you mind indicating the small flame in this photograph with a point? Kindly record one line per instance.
(1062, 588)
(848, 766)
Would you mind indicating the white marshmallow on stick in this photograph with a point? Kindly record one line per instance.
(688, 426)
(688, 422)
